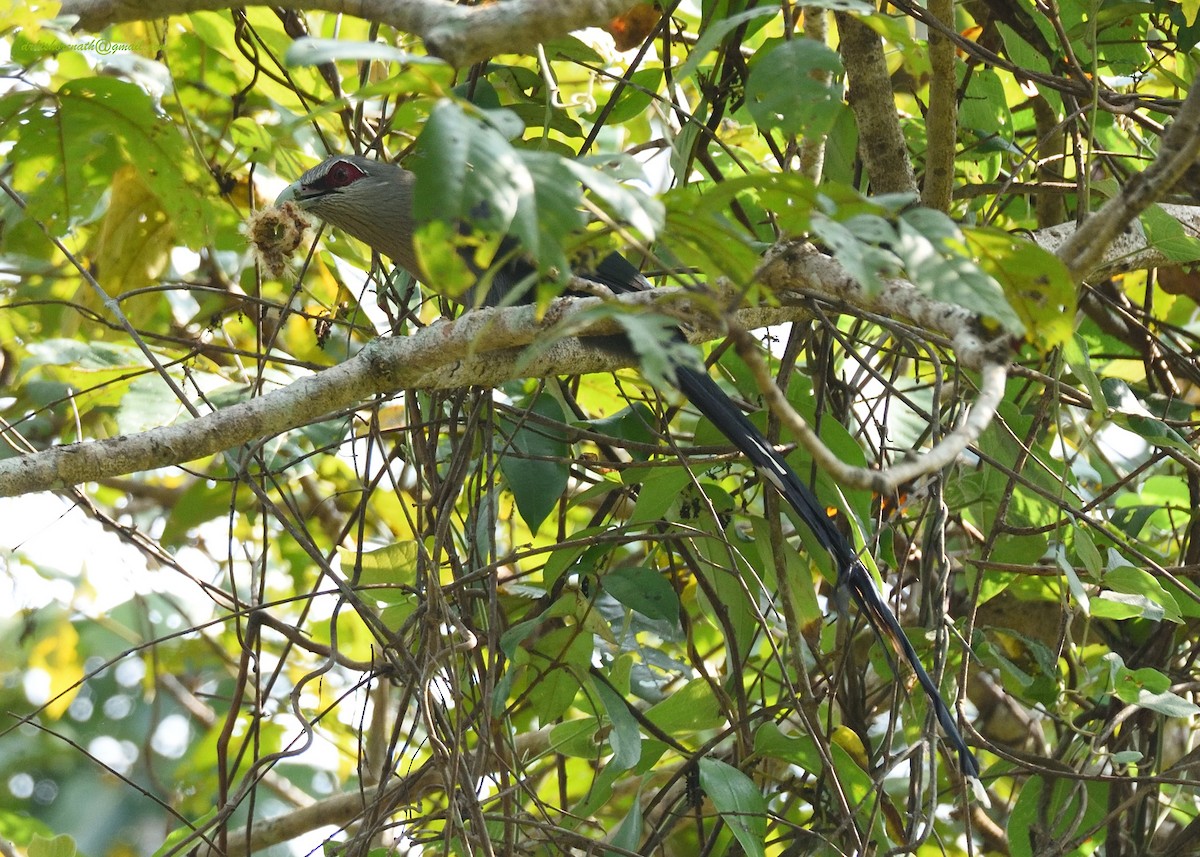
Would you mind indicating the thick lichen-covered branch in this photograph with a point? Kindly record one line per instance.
(458, 33)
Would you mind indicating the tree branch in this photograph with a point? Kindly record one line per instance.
(942, 118)
(1130, 250)
(446, 355)
(881, 143)
(1178, 151)
(449, 355)
(457, 33)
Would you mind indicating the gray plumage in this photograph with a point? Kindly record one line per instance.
(367, 199)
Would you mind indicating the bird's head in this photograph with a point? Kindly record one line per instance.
(367, 199)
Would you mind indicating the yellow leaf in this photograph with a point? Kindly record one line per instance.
(132, 246)
(848, 740)
(58, 657)
(29, 17)
(60, 846)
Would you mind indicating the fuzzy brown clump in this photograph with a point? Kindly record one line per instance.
(275, 234)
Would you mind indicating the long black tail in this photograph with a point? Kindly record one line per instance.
(708, 398)
(512, 281)
(705, 394)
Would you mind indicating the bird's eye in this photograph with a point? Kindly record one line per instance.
(343, 173)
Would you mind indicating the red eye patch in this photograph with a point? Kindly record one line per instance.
(341, 174)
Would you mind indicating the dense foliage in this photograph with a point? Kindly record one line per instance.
(559, 613)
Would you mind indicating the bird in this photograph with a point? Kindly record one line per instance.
(371, 200)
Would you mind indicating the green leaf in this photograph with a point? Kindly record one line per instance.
(545, 667)
(215, 31)
(511, 640)
(984, 108)
(555, 214)
(250, 136)
(564, 558)
(466, 173)
(386, 575)
(714, 33)
(732, 583)
(577, 738)
(866, 263)
(644, 590)
(579, 606)
(805, 105)
(739, 802)
(1156, 432)
(60, 846)
(534, 460)
(1127, 757)
(660, 348)
(660, 489)
(1168, 704)
(854, 781)
(629, 834)
(66, 155)
(1142, 591)
(951, 277)
(1167, 235)
(551, 675)
(625, 738)
(1069, 808)
(393, 564)
(86, 356)
(1130, 413)
(709, 241)
(1148, 688)
(199, 502)
(633, 99)
(1085, 549)
(133, 244)
(314, 51)
(1121, 605)
(800, 750)
(631, 424)
(1075, 352)
(641, 211)
(1073, 582)
(148, 402)
(796, 566)
(693, 708)
(572, 49)
(598, 792)
(173, 842)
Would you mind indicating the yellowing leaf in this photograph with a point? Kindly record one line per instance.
(848, 740)
(135, 237)
(1036, 284)
(29, 17)
(58, 656)
(60, 846)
